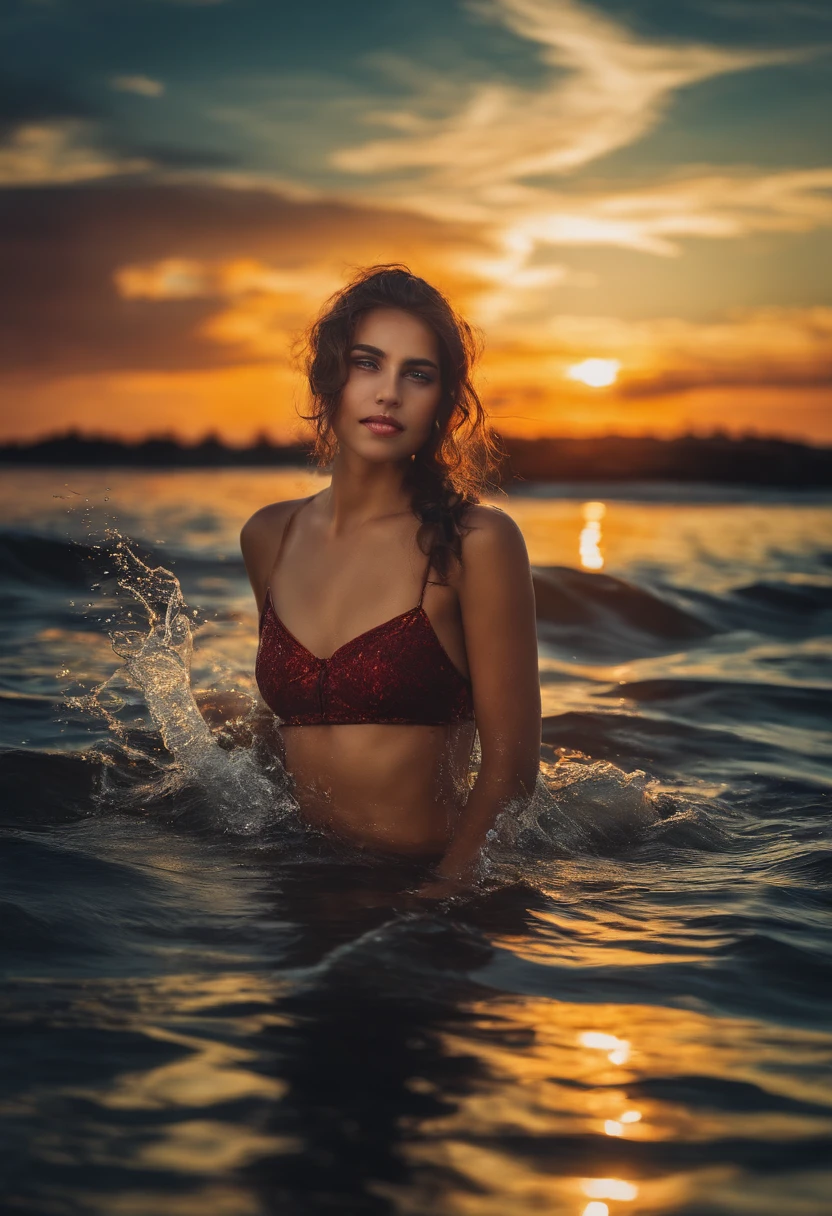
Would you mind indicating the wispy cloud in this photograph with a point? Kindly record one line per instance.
(143, 85)
(500, 158)
(60, 151)
(607, 88)
(653, 218)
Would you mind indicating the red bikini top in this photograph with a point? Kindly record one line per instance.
(397, 672)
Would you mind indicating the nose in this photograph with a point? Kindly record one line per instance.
(387, 389)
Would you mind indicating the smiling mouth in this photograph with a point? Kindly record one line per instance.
(382, 424)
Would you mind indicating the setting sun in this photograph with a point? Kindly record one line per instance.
(597, 373)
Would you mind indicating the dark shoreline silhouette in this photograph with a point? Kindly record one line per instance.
(720, 458)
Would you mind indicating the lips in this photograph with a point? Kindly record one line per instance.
(382, 424)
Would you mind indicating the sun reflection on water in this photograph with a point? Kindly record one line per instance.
(618, 1050)
(609, 1188)
(589, 543)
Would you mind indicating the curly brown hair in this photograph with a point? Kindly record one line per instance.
(461, 459)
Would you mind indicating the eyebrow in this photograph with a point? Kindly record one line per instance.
(374, 350)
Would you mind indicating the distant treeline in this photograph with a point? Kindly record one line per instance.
(749, 460)
(164, 451)
(716, 458)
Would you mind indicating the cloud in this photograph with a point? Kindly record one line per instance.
(60, 151)
(763, 347)
(194, 277)
(653, 218)
(143, 85)
(501, 157)
(262, 303)
(607, 89)
(483, 152)
(184, 276)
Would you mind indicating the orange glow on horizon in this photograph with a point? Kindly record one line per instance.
(238, 402)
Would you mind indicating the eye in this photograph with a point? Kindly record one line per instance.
(365, 359)
(424, 376)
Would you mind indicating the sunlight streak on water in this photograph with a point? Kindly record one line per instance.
(609, 1188)
(589, 543)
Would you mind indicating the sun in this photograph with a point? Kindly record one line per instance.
(597, 373)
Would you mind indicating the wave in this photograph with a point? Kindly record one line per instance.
(727, 701)
(599, 617)
(43, 788)
(44, 562)
(669, 749)
(29, 559)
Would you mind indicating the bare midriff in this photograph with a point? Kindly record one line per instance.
(392, 789)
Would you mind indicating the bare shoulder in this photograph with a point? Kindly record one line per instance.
(260, 539)
(265, 527)
(492, 536)
(495, 587)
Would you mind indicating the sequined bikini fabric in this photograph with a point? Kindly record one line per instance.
(396, 673)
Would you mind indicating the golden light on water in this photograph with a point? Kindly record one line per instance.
(557, 1078)
(618, 1050)
(598, 1040)
(609, 1188)
(615, 1127)
(589, 542)
(596, 373)
(596, 1209)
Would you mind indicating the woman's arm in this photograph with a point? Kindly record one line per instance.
(496, 596)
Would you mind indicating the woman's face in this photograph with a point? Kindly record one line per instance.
(393, 390)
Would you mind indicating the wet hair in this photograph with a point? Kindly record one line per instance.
(459, 461)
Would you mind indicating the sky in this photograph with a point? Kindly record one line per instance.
(631, 201)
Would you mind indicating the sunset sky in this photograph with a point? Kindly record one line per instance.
(633, 201)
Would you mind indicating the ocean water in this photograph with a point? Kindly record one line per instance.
(208, 1010)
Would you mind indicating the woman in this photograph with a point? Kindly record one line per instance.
(397, 615)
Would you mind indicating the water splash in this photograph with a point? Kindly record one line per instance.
(245, 794)
(578, 807)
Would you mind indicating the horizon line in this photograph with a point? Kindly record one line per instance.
(213, 438)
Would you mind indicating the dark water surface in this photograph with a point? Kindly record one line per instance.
(207, 1010)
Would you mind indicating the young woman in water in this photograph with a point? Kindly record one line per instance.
(397, 615)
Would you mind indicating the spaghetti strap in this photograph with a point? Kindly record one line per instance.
(285, 533)
(397, 673)
(427, 573)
